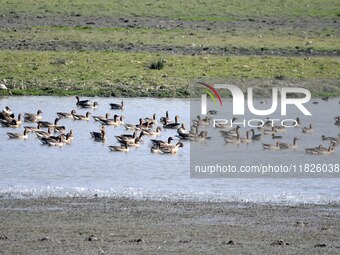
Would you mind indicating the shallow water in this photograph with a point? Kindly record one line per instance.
(85, 168)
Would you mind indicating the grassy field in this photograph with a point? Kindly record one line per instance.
(177, 9)
(106, 47)
(128, 74)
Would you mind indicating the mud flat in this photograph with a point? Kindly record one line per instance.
(124, 226)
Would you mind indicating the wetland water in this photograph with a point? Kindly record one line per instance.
(85, 168)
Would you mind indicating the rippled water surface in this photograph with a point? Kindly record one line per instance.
(85, 168)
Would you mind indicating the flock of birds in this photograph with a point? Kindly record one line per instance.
(53, 134)
(232, 135)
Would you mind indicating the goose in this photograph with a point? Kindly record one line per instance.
(269, 132)
(155, 149)
(110, 122)
(166, 150)
(122, 148)
(152, 120)
(46, 124)
(121, 120)
(174, 125)
(271, 146)
(59, 129)
(82, 117)
(297, 123)
(32, 129)
(66, 115)
(161, 143)
(129, 139)
(133, 143)
(68, 138)
(246, 139)
(12, 123)
(17, 135)
(46, 140)
(276, 136)
(6, 116)
(45, 134)
(307, 129)
(233, 139)
(7, 110)
(335, 141)
(143, 124)
(185, 134)
(59, 142)
(202, 136)
(260, 126)
(31, 117)
(127, 136)
(89, 106)
(99, 136)
(293, 146)
(255, 137)
(158, 132)
(315, 150)
(337, 121)
(212, 112)
(280, 129)
(117, 106)
(81, 102)
(166, 118)
(201, 122)
(320, 150)
(130, 126)
(98, 118)
(324, 138)
(329, 151)
(268, 123)
(70, 134)
(232, 132)
(172, 149)
(182, 129)
(225, 125)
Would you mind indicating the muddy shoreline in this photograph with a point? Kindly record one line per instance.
(125, 226)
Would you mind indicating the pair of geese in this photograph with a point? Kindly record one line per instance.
(321, 150)
(279, 145)
(192, 135)
(233, 136)
(88, 105)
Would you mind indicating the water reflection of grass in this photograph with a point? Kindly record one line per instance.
(128, 74)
